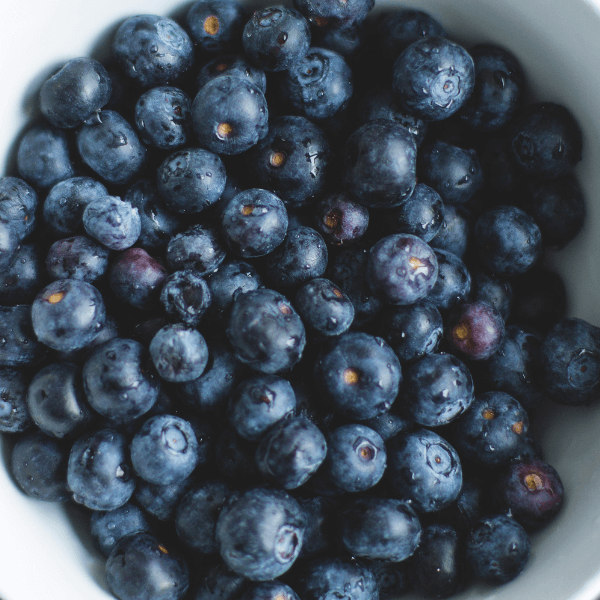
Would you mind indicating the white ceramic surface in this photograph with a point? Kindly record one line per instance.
(558, 42)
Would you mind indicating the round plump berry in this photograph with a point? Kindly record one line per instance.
(21, 279)
(140, 566)
(260, 402)
(492, 289)
(265, 331)
(68, 314)
(507, 240)
(111, 148)
(433, 78)
(199, 248)
(236, 65)
(380, 528)
(545, 140)
(260, 533)
(191, 180)
(164, 450)
(163, 117)
(359, 375)
(179, 353)
(112, 222)
(71, 96)
(380, 164)
(425, 469)
(254, 223)
(270, 590)
(454, 234)
(77, 258)
(229, 115)
(275, 38)
(14, 414)
(152, 50)
(216, 25)
(498, 549)
(402, 269)
(340, 219)
(185, 297)
(493, 430)
(107, 528)
(453, 282)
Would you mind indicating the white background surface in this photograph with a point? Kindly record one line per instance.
(558, 42)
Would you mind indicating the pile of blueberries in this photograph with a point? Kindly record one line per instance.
(273, 310)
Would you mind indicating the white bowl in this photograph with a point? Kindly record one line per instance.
(558, 43)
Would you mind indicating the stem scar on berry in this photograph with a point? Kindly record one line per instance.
(211, 25)
(56, 297)
(351, 376)
(278, 159)
(224, 130)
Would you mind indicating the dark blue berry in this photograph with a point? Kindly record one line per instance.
(216, 25)
(160, 501)
(20, 345)
(14, 414)
(329, 14)
(185, 297)
(453, 236)
(398, 29)
(199, 248)
(21, 279)
(77, 258)
(18, 206)
(110, 527)
(270, 590)
(494, 290)
(339, 219)
(112, 222)
(236, 65)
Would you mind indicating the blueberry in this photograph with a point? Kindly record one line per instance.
(140, 566)
(119, 380)
(136, 278)
(39, 465)
(339, 219)
(21, 346)
(291, 452)
(254, 223)
(185, 297)
(18, 206)
(424, 469)
(265, 331)
(330, 15)
(433, 78)
(191, 180)
(77, 258)
(558, 207)
(380, 528)
(112, 222)
(21, 279)
(380, 164)
(221, 584)
(319, 85)
(229, 280)
(160, 501)
(56, 400)
(348, 270)
(276, 38)
(324, 307)
(64, 205)
(453, 236)
(111, 148)
(475, 330)
(68, 314)
(179, 353)
(14, 414)
(320, 520)
(335, 577)
(437, 568)
(301, 256)
(570, 362)
(412, 331)
(197, 514)
(392, 578)
(234, 459)
(402, 269)
(499, 86)
(492, 431)
(213, 388)
(260, 533)
(258, 403)
(158, 223)
(356, 458)
(507, 240)
(236, 65)
(359, 375)
(437, 389)
(110, 527)
(152, 50)
(514, 367)
(73, 95)
(545, 140)
(270, 590)
(216, 25)
(532, 491)
(199, 248)
(498, 549)
(492, 289)
(291, 160)
(43, 157)
(163, 117)
(165, 450)
(98, 473)
(229, 115)
(453, 172)
(398, 29)
(347, 41)
(453, 283)
(387, 425)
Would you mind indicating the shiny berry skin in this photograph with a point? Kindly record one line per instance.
(200, 248)
(402, 269)
(112, 222)
(185, 297)
(340, 219)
